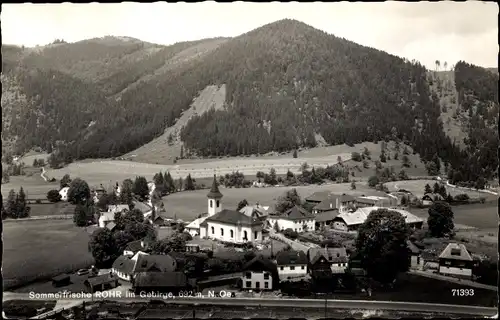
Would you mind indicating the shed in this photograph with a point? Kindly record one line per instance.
(61, 280)
(101, 283)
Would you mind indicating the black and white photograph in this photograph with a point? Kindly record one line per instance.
(210, 160)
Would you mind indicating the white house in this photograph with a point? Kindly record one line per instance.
(259, 274)
(456, 261)
(228, 225)
(350, 221)
(291, 264)
(341, 203)
(127, 268)
(296, 218)
(335, 260)
(109, 216)
(193, 228)
(64, 193)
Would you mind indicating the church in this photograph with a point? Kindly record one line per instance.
(227, 225)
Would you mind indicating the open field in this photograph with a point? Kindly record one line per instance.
(34, 186)
(417, 187)
(43, 248)
(188, 205)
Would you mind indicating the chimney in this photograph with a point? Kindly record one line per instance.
(337, 202)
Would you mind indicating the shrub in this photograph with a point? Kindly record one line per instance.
(38, 201)
(462, 197)
(356, 156)
(53, 196)
(291, 234)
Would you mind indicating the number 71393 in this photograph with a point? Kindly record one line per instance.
(462, 292)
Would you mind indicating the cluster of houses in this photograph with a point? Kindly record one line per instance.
(149, 272)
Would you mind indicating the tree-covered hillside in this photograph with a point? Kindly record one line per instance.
(286, 83)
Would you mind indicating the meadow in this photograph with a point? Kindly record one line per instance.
(189, 204)
(36, 250)
(417, 187)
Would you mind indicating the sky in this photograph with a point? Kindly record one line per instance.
(445, 31)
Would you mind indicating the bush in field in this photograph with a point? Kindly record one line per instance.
(53, 196)
(291, 234)
(356, 156)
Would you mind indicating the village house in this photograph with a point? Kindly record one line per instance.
(327, 261)
(416, 262)
(317, 197)
(133, 247)
(256, 211)
(260, 274)
(101, 283)
(341, 203)
(430, 198)
(228, 225)
(126, 268)
(296, 218)
(373, 201)
(97, 193)
(456, 261)
(352, 220)
(64, 193)
(109, 216)
(291, 264)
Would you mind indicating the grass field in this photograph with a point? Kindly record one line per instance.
(417, 187)
(188, 205)
(34, 186)
(43, 248)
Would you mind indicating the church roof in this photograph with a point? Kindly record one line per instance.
(232, 217)
(214, 191)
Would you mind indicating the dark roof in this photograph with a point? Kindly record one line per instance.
(214, 191)
(260, 264)
(158, 262)
(124, 265)
(456, 251)
(327, 215)
(433, 196)
(134, 246)
(429, 256)
(412, 247)
(160, 279)
(232, 217)
(102, 279)
(318, 196)
(291, 257)
(297, 213)
(60, 277)
(332, 255)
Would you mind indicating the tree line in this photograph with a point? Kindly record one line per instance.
(16, 206)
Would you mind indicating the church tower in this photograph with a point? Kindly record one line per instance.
(214, 199)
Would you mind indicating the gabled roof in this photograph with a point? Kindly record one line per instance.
(107, 216)
(232, 217)
(161, 263)
(160, 279)
(118, 208)
(297, 213)
(195, 224)
(214, 191)
(326, 215)
(412, 247)
(102, 279)
(361, 214)
(456, 251)
(124, 265)
(134, 246)
(291, 257)
(433, 196)
(329, 196)
(331, 255)
(259, 210)
(260, 264)
(111, 225)
(141, 206)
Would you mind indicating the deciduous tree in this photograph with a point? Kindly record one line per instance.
(440, 220)
(78, 192)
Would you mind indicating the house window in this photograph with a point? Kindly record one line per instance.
(281, 268)
(302, 268)
(266, 285)
(232, 233)
(213, 230)
(221, 231)
(211, 203)
(257, 285)
(218, 203)
(292, 267)
(248, 275)
(256, 235)
(266, 276)
(245, 236)
(249, 284)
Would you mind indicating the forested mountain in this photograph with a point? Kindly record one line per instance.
(286, 83)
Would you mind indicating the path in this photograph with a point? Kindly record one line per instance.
(454, 280)
(471, 189)
(298, 246)
(43, 175)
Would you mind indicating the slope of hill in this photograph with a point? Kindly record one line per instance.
(287, 85)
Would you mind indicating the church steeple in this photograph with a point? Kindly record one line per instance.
(214, 191)
(214, 197)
